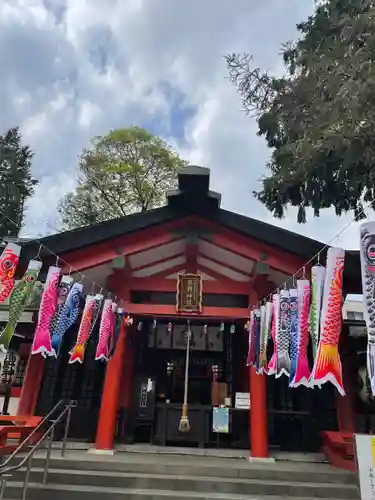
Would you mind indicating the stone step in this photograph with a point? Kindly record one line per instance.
(74, 492)
(190, 483)
(179, 466)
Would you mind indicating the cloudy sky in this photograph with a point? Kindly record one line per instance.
(72, 69)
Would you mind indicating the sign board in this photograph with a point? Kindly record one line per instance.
(144, 398)
(9, 366)
(242, 400)
(189, 293)
(220, 420)
(365, 446)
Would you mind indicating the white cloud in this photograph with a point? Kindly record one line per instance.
(73, 69)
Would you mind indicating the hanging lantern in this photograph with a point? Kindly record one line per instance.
(140, 326)
(169, 327)
(154, 324)
(221, 327)
(232, 328)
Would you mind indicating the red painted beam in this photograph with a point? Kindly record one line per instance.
(161, 234)
(136, 242)
(191, 253)
(170, 310)
(250, 248)
(169, 285)
(284, 263)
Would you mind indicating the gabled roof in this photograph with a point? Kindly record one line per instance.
(192, 197)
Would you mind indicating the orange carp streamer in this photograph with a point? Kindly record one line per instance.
(327, 366)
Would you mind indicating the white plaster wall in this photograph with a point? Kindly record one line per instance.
(13, 405)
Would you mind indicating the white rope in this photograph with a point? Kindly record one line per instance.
(186, 387)
(315, 256)
(60, 260)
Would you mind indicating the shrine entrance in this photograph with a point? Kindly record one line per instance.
(218, 376)
(215, 373)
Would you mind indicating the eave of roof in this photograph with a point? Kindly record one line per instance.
(206, 204)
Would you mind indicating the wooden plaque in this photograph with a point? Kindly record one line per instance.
(189, 293)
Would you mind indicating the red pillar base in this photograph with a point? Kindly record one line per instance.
(110, 396)
(31, 385)
(258, 416)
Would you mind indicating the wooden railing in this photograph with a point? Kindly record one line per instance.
(339, 448)
(14, 429)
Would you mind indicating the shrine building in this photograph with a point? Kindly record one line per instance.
(189, 264)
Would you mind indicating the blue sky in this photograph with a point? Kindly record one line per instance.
(72, 69)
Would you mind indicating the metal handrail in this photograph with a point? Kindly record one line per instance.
(32, 433)
(5, 471)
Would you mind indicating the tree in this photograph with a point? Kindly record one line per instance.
(16, 181)
(319, 119)
(128, 170)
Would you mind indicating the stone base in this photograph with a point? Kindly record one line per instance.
(94, 451)
(262, 460)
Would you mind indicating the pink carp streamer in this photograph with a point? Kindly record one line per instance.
(274, 329)
(42, 338)
(302, 373)
(107, 324)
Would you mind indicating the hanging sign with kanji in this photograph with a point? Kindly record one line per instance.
(189, 293)
(9, 366)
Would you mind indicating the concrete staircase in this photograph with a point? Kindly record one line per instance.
(138, 476)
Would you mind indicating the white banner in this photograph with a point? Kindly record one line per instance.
(365, 446)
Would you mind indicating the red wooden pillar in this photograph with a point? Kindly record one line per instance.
(31, 385)
(111, 394)
(258, 406)
(258, 415)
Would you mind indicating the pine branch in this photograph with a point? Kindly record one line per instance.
(254, 86)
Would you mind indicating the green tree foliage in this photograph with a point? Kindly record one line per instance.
(16, 181)
(128, 170)
(319, 119)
